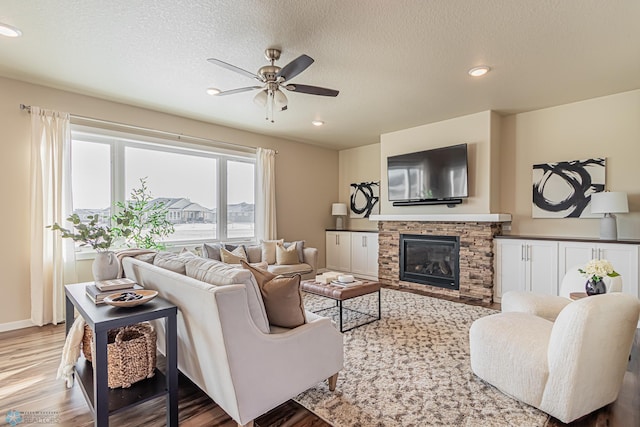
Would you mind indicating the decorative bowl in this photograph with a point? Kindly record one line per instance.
(130, 298)
(345, 278)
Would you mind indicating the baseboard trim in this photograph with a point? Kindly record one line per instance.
(19, 324)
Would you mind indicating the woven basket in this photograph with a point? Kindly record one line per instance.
(131, 353)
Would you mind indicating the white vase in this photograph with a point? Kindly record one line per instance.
(105, 266)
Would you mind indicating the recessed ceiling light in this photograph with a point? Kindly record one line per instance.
(9, 31)
(317, 122)
(479, 71)
(213, 91)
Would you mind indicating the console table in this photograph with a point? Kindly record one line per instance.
(93, 380)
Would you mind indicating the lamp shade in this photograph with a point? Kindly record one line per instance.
(338, 209)
(609, 202)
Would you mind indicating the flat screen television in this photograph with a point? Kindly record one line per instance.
(431, 175)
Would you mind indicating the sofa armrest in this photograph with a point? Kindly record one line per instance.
(310, 256)
(545, 306)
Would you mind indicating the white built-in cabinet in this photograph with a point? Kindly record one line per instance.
(364, 254)
(623, 257)
(338, 250)
(353, 252)
(539, 265)
(526, 265)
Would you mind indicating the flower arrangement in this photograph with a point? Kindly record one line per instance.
(596, 269)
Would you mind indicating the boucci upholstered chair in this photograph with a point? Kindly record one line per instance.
(568, 367)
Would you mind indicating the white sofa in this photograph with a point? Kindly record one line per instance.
(568, 367)
(227, 347)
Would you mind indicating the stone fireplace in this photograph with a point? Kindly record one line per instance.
(475, 265)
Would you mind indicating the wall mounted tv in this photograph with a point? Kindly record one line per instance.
(437, 176)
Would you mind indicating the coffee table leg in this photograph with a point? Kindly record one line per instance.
(379, 309)
(340, 306)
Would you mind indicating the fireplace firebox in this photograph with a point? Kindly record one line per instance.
(430, 260)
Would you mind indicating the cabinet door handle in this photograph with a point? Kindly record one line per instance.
(593, 253)
(528, 252)
(522, 252)
(364, 241)
(600, 254)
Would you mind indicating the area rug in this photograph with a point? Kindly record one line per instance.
(412, 368)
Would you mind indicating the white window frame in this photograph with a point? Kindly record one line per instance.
(118, 141)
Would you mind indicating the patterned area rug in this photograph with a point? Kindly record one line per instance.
(412, 369)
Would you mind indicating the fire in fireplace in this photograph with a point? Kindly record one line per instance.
(430, 260)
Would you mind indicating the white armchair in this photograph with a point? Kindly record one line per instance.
(567, 368)
(549, 306)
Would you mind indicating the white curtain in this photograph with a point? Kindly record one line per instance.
(52, 259)
(266, 197)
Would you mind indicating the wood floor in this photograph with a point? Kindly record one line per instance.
(29, 359)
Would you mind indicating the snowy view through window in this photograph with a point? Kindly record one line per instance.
(191, 186)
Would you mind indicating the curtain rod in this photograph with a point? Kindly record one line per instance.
(179, 136)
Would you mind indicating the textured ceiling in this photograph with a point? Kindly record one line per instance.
(397, 64)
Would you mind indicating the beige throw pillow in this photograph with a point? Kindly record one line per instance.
(233, 257)
(286, 256)
(269, 250)
(281, 296)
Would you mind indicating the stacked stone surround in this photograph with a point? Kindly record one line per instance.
(476, 257)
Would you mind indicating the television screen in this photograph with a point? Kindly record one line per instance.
(437, 174)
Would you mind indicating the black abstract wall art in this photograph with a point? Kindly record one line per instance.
(365, 199)
(564, 189)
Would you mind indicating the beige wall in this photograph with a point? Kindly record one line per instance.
(476, 131)
(361, 164)
(306, 176)
(601, 127)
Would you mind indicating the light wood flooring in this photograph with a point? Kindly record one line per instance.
(29, 360)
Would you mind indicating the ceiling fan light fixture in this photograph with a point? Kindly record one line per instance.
(317, 122)
(479, 71)
(280, 99)
(261, 98)
(9, 30)
(213, 91)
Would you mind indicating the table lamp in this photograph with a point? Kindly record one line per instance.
(339, 210)
(608, 203)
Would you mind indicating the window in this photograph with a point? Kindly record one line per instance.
(210, 193)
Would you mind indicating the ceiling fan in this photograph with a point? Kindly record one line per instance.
(274, 79)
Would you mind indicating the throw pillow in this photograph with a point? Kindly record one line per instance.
(269, 250)
(281, 296)
(211, 251)
(254, 253)
(299, 246)
(233, 257)
(286, 256)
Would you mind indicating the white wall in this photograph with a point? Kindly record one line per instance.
(608, 127)
(476, 131)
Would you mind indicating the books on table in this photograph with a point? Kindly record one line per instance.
(97, 296)
(114, 284)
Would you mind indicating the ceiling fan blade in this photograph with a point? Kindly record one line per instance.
(239, 90)
(295, 67)
(313, 90)
(234, 68)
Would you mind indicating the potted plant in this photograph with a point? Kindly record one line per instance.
(141, 221)
(594, 271)
(99, 237)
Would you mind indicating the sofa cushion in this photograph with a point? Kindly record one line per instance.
(289, 270)
(211, 250)
(281, 296)
(220, 274)
(233, 257)
(299, 247)
(269, 250)
(254, 253)
(286, 256)
(172, 261)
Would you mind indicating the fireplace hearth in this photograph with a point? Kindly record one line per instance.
(430, 260)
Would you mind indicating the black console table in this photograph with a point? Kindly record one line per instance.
(93, 381)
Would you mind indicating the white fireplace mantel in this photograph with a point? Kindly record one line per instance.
(444, 217)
